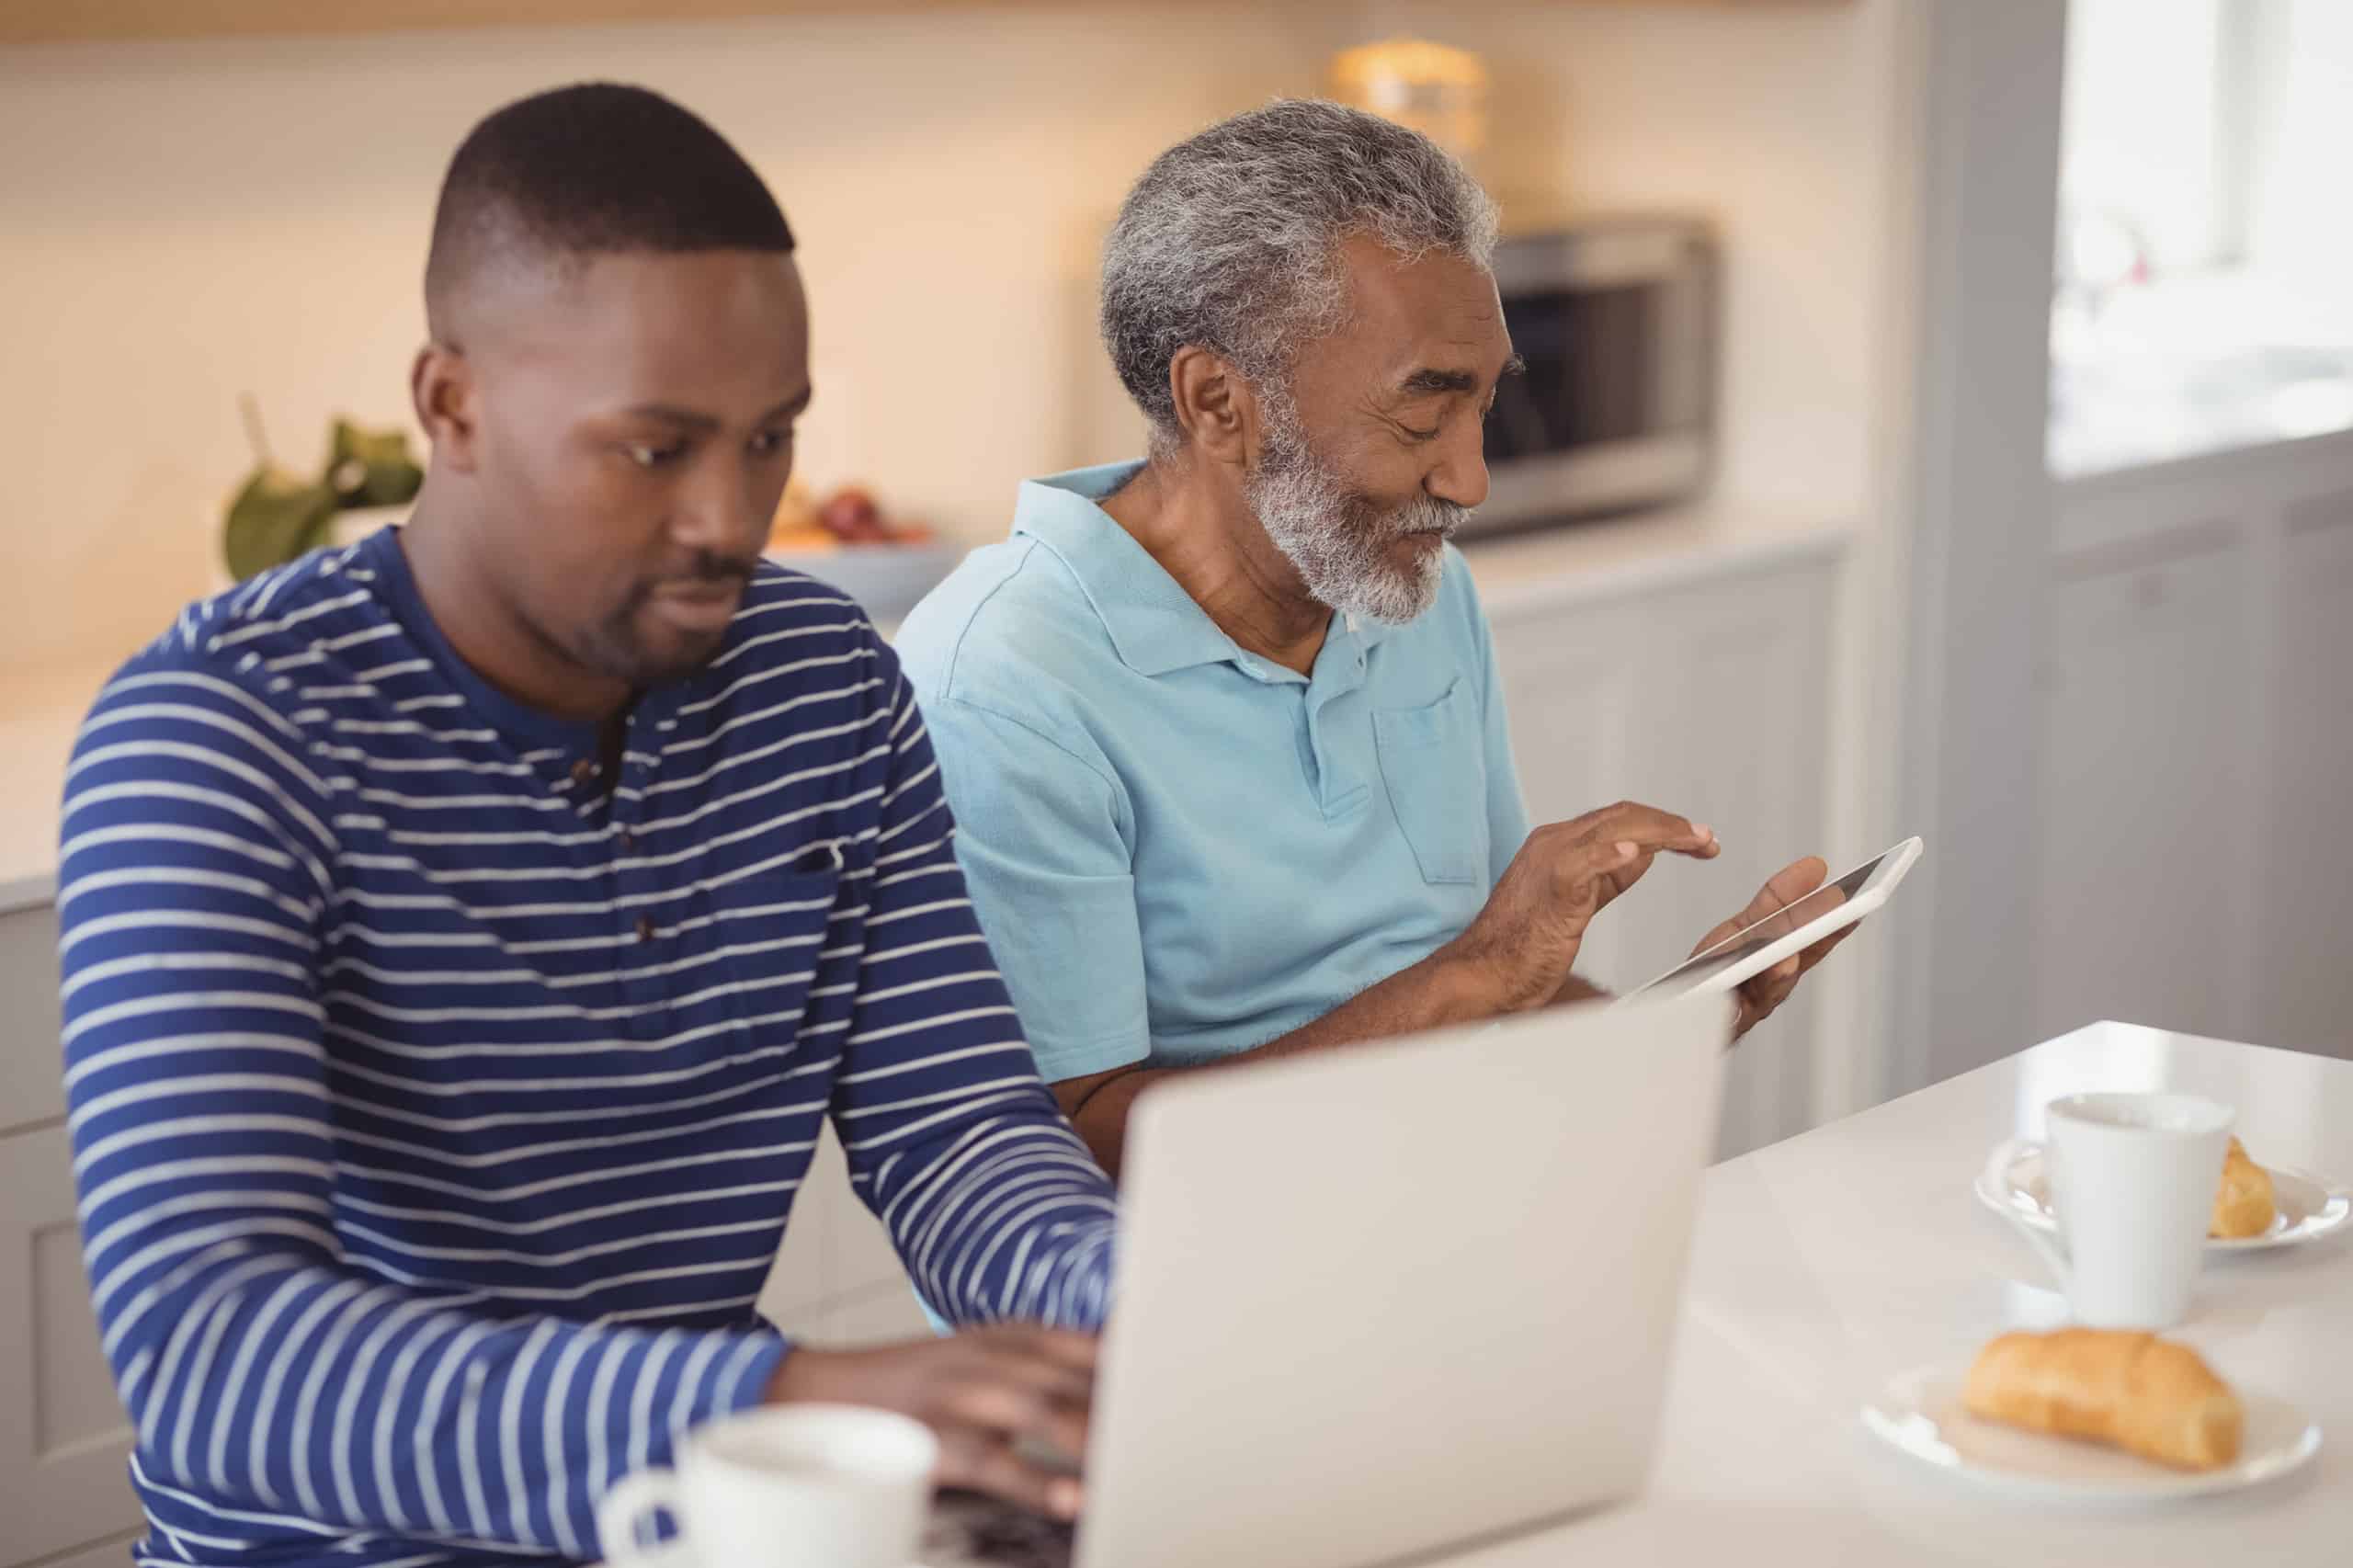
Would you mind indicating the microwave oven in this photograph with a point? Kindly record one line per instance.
(1617, 321)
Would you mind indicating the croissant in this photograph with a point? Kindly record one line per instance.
(2243, 1205)
(2132, 1391)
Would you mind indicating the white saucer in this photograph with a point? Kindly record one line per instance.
(2308, 1207)
(1919, 1413)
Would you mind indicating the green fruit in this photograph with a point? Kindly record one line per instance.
(372, 468)
(275, 517)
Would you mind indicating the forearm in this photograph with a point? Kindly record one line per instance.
(291, 1384)
(1000, 1218)
(1443, 989)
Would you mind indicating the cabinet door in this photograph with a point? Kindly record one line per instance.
(1734, 734)
(801, 1277)
(1570, 695)
(64, 1442)
(1711, 699)
(2145, 849)
(31, 1082)
(114, 1552)
(2303, 981)
(834, 1250)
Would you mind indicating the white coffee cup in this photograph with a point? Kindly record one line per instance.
(795, 1486)
(2133, 1179)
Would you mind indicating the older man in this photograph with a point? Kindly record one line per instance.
(467, 934)
(1222, 728)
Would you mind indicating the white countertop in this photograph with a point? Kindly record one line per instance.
(39, 714)
(1576, 564)
(1824, 1265)
(1828, 1263)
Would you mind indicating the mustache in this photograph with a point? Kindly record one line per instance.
(1428, 513)
(709, 566)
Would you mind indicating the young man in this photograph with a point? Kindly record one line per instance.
(466, 932)
(1223, 728)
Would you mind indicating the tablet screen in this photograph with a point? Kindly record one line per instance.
(1770, 929)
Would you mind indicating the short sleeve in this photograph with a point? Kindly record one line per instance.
(1040, 835)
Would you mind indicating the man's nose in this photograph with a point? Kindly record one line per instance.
(1460, 475)
(721, 511)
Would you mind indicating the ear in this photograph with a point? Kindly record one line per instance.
(442, 389)
(1215, 407)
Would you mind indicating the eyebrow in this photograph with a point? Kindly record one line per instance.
(1426, 381)
(703, 423)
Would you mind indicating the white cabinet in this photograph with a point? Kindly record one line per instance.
(839, 1281)
(2146, 822)
(31, 1079)
(2305, 987)
(2191, 817)
(1708, 695)
(64, 1442)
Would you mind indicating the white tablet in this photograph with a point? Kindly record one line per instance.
(1833, 906)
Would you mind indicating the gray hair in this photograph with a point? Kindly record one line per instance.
(1231, 240)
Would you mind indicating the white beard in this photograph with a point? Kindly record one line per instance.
(1336, 540)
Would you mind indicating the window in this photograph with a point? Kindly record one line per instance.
(2204, 288)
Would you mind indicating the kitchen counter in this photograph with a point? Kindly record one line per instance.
(1520, 574)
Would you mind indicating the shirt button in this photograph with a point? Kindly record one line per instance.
(645, 927)
(629, 839)
(583, 771)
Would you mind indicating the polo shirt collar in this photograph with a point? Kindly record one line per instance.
(1153, 622)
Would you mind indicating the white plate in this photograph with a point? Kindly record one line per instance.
(1919, 1413)
(2308, 1207)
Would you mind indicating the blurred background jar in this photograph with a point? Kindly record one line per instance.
(1438, 91)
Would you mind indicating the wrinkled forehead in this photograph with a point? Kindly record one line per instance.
(1412, 328)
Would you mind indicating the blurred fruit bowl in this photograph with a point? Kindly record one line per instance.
(846, 542)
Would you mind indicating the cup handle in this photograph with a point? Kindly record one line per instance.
(633, 1502)
(1997, 1180)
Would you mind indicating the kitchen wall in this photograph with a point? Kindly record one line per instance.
(185, 221)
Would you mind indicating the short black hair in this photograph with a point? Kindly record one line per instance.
(595, 169)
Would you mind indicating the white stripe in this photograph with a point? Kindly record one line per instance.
(267, 1410)
(194, 1083)
(578, 1178)
(172, 1045)
(510, 1432)
(308, 612)
(188, 1002)
(255, 1338)
(489, 1159)
(188, 1126)
(436, 1325)
(177, 963)
(149, 1215)
(765, 715)
(92, 928)
(108, 717)
(340, 1438)
(552, 1446)
(641, 1406)
(152, 876)
(452, 1361)
(319, 1368)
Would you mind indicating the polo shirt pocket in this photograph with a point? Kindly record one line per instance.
(772, 929)
(1436, 774)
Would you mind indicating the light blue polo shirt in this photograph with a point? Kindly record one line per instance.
(1179, 849)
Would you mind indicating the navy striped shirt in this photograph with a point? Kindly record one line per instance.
(438, 1103)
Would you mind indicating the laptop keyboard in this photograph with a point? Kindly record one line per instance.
(969, 1531)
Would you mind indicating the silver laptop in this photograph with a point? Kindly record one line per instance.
(1382, 1302)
